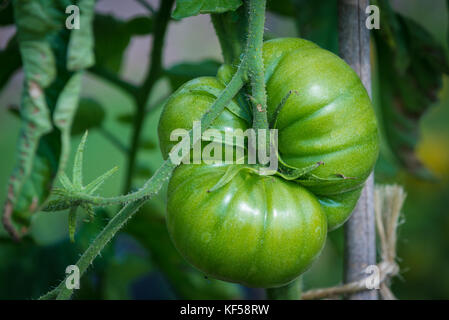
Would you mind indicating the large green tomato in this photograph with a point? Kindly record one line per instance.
(264, 231)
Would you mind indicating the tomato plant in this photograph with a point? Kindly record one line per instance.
(265, 231)
(241, 222)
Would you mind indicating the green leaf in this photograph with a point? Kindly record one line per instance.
(36, 19)
(119, 275)
(112, 37)
(282, 7)
(48, 103)
(38, 62)
(411, 64)
(22, 197)
(49, 253)
(139, 26)
(89, 115)
(188, 8)
(148, 145)
(6, 13)
(317, 21)
(126, 118)
(143, 171)
(183, 72)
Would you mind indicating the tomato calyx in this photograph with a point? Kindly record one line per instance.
(284, 171)
(233, 107)
(231, 172)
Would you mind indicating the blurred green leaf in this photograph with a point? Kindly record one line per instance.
(282, 7)
(188, 8)
(139, 26)
(148, 145)
(36, 19)
(411, 64)
(317, 21)
(20, 263)
(34, 166)
(6, 13)
(183, 72)
(29, 268)
(143, 171)
(120, 273)
(89, 115)
(112, 37)
(126, 118)
(47, 108)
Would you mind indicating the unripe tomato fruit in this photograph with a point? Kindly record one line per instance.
(264, 231)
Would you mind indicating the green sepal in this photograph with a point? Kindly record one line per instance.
(77, 175)
(232, 106)
(274, 118)
(72, 223)
(94, 185)
(290, 173)
(230, 173)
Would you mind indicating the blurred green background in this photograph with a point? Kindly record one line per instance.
(141, 263)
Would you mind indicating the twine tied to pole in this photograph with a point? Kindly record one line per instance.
(388, 201)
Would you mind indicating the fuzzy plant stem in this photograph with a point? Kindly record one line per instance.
(255, 63)
(62, 292)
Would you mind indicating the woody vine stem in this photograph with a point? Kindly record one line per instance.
(250, 71)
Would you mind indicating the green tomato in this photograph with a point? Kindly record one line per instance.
(264, 231)
(261, 231)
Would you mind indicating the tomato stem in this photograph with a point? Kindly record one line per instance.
(255, 63)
